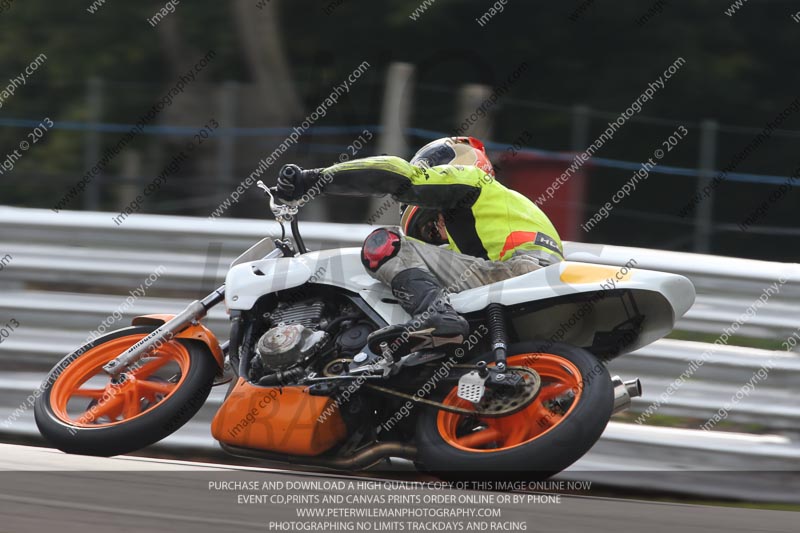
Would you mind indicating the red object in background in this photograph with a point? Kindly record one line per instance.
(531, 175)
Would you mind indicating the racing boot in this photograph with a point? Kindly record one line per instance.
(434, 324)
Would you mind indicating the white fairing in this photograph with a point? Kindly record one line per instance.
(247, 282)
(661, 297)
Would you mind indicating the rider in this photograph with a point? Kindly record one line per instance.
(460, 229)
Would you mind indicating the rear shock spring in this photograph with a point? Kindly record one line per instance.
(496, 321)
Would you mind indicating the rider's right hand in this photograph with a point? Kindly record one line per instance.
(293, 182)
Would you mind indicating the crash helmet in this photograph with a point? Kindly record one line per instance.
(466, 151)
(420, 222)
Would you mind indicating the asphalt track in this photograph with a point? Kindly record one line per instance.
(44, 490)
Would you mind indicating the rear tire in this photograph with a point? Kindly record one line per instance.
(153, 407)
(534, 443)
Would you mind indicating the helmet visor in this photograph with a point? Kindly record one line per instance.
(441, 154)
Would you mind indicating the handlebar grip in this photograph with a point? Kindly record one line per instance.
(289, 171)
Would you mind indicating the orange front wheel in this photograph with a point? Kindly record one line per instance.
(82, 410)
(565, 419)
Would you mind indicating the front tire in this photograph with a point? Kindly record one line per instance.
(81, 411)
(550, 434)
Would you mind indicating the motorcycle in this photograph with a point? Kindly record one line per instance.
(525, 395)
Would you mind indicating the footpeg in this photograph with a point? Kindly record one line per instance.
(471, 387)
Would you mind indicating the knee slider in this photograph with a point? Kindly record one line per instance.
(379, 246)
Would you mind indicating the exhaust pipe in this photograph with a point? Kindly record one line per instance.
(624, 391)
(363, 459)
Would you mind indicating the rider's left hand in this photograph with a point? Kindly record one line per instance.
(293, 182)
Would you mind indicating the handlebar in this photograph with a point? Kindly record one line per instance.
(284, 213)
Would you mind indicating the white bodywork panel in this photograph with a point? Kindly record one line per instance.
(661, 297)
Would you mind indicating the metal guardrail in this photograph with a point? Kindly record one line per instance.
(50, 248)
(76, 251)
(720, 380)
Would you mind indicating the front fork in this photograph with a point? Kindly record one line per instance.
(194, 312)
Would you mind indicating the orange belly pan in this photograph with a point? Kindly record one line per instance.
(284, 420)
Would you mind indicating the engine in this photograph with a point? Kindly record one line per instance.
(309, 314)
(293, 336)
(285, 346)
(305, 336)
(352, 339)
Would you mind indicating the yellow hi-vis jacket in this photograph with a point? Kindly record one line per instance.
(483, 218)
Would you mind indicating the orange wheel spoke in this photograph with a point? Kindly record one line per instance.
(539, 414)
(516, 434)
(89, 393)
(553, 419)
(551, 391)
(480, 438)
(113, 415)
(155, 387)
(132, 405)
(148, 368)
(545, 419)
(102, 409)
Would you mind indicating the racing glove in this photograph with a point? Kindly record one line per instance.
(294, 182)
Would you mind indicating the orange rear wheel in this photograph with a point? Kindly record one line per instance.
(562, 423)
(558, 396)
